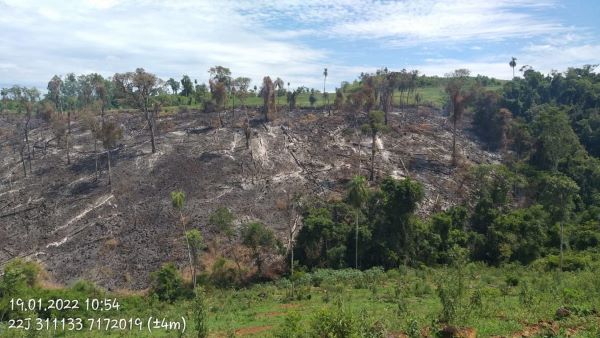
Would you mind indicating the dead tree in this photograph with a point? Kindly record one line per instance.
(267, 92)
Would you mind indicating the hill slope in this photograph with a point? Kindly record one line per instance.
(80, 229)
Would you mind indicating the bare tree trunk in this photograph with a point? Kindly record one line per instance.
(561, 246)
(373, 150)
(68, 135)
(187, 241)
(96, 154)
(28, 147)
(23, 162)
(454, 141)
(356, 243)
(109, 173)
(236, 259)
(151, 124)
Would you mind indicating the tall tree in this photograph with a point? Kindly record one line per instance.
(325, 96)
(267, 92)
(242, 85)
(137, 89)
(187, 86)
(70, 89)
(312, 98)
(29, 99)
(220, 83)
(110, 134)
(458, 99)
(222, 221)
(373, 127)
(260, 240)
(91, 123)
(338, 102)
(171, 82)
(196, 243)
(513, 64)
(279, 89)
(220, 74)
(178, 202)
(558, 194)
(356, 197)
(56, 93)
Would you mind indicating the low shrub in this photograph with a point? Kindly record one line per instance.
(167, 283)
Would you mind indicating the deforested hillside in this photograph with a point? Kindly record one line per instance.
(67, 216)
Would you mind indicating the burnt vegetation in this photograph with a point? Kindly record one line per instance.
(506, 171)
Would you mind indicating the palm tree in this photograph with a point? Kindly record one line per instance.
(278, 87)
(357, 195)
(324, 92)
(375, 125)
(513, 64)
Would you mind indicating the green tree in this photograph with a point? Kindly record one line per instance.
(200, 310)
(171, 82)
(376, 125)
(558, 193)
(222, 219)
(220, 74)
(242, 85)
(555, 140)
(392, 209)
(178, 202)
(166, 283)
(357, 195)
(513, 64)
(519, 235)
(312, 99)
(259, 239)
(187, 86)
(196, 241)
(137, 88)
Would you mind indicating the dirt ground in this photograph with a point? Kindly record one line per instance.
(79, 229)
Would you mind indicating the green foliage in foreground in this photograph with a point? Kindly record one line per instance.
(352, 303)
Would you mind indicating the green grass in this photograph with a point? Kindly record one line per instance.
(503, 309)
(434, 96)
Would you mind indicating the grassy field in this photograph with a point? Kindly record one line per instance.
(510, 301)
(434, 96)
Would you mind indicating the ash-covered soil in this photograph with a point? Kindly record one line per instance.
(79, 229)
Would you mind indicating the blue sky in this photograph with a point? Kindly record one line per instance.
(292, 39)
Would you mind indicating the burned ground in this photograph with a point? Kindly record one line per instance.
(80, 228)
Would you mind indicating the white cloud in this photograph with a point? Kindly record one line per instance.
(168, 38)
(417, 21)
(264, 37)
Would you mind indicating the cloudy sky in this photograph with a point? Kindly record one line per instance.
(292, 39)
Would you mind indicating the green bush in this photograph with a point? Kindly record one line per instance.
(334, 323)
(167, 283)
(18, 275)
(571, 262)
(222, 275)
(200, 313)
(291, 327)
